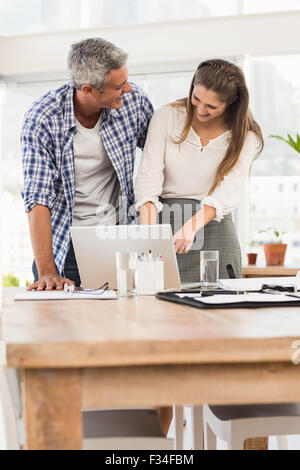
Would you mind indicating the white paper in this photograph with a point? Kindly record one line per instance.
(246, 284)
(193, 296)
(228, 298)
(61, 295)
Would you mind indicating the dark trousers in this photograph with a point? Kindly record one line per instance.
(70, 268)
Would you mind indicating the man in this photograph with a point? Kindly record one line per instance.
(79, 145)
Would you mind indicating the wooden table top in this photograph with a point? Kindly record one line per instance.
(75, 333)
(269, 271)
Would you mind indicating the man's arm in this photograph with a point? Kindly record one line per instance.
(39, 199)
(41, 239)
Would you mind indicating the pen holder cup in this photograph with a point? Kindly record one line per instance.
(149, 277)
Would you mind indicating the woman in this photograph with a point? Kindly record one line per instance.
(196, 159)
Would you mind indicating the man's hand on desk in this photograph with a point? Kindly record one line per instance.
(49, 282)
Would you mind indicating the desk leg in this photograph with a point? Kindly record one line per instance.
(52, 409)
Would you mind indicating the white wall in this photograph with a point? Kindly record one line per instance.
(161, 45)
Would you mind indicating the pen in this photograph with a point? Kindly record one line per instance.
(150, 257)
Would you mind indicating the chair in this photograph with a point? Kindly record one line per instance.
(235, 424)
(9, 436)
(196, 426)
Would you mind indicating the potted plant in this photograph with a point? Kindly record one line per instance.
(252, 246)
(274, 250)
(295, 144)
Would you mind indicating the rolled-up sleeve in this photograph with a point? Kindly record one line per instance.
(39, 171)
(226, 196)
(150, 177)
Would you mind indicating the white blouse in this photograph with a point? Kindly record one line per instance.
(187, 170)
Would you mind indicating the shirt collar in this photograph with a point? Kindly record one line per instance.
(109, 114)
(70, 120)
(217, 142)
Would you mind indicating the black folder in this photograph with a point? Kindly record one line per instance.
(172, 297)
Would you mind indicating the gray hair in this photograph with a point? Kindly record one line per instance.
(90, 60)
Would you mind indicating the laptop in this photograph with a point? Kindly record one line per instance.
(96, 247)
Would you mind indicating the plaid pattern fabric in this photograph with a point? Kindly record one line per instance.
(48, 157)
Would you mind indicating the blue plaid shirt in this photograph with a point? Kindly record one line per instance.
(48, 156)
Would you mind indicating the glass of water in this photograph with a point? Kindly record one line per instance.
(209, 269)
(126, 268)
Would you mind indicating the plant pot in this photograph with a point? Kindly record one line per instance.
(252, 257)
(275, 253)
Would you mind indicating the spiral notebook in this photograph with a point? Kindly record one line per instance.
(86, 294)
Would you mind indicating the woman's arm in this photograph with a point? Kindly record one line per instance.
(150, 177)
(148, 214)
(226, 196)
(184, 238)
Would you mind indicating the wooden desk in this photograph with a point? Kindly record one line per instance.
(269, 271)
(94, 354)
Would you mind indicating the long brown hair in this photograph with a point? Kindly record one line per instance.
(228, 81)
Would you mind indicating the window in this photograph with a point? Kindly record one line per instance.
(274, 84)
(116, 11)
(262, 6)
(34, 16)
